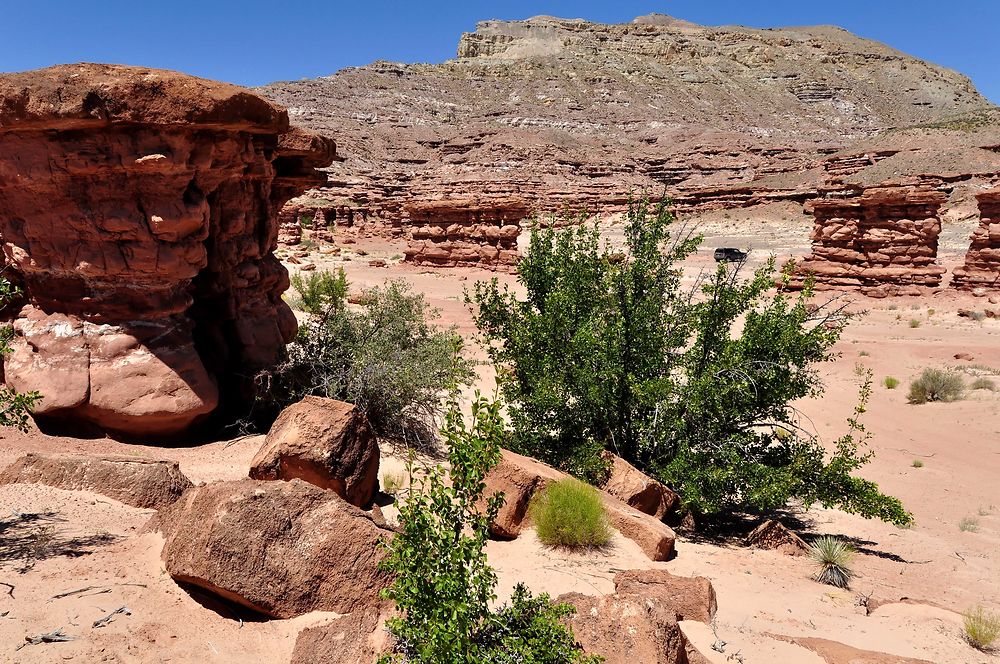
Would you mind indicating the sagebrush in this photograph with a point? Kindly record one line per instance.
(936, 385)
(385, 355)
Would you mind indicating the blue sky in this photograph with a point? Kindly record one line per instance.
(254, 42)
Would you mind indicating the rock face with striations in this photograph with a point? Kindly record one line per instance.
(465, 232)
(982, 263)
(882, 240)
(138, 211)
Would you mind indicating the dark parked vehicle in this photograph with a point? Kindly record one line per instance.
(729, 255)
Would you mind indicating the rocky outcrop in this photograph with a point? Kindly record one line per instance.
(638, 622)
(982, 264)
(520, 478)
(882, 240)
(134, 481)
(281, 549)
(633, 487)
(467, 232)
(324, 442)
(138, 209)
(357, 638)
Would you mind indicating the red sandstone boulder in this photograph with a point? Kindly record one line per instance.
(520, 477)
(633, 487)
(325, 442)
(774, 536)
(357, 638)
(137, 205)
(690, 597)
(281, 549)
(138, 482)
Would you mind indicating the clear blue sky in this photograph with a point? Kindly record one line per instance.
(254, 42)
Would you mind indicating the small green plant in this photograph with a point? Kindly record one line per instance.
(392, 482)
(893, 307)
(917, 463)
(571, 513)
(443, 585)
(890, 382)
(983, 383)
(833, 558)
(914, 322)
(863, 353)
(931, 312)
(982, 628)
(936, 385)
(969, 524)
(319, 291)
(15, 407)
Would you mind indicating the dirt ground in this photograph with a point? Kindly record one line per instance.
(54, 541)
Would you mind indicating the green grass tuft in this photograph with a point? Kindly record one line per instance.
(890, 383)
(914, 322)
(968, 524)
(917, 463)
(571, 513)
(392, 482)
(834, 560)
(982, 628)
(936, 385)
(983, 383)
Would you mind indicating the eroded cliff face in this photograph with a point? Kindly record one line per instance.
(882, 240)
(982, 263)
(465, 232)
(138, 209)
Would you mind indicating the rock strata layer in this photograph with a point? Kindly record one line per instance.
(465, 232)
(139, 211)
(982, 264)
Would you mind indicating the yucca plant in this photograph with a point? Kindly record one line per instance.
(982, 628)
(833, 558)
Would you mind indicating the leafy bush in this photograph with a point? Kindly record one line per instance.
(983, 383)
(443, 584)
(936, 385)
(606, 351)
(890, 383)
(982, 628)
(570, 513)
(833, 558)
(15, 407)
(386, 356)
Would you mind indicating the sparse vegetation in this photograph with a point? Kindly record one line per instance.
(983, 383)
(833, 557)
(917, 463)
(392, 482)
(571, 513)
(443, 585)
(608, 352)
(969, 524)
(385, 355)
(890, 382)
(15, 407)
(863, 353)
(982, 628)
(914, 322)
(978, 316)
(936, 385)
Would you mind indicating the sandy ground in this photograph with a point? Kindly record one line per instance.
(53, 541)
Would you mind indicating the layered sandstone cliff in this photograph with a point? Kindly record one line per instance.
(465, 232)
(881, 239)
(138, 211)
(982, 263)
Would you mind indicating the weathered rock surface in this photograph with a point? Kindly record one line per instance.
(357, 638)
(465, 232)
(325, 442)
(691, 597)
(520, 477)
(566, 115)
(982, 263)
(138, 209)
(138, 482)
(281, 549)
(633, 487)
(772, 535)
(882, 240)
(834, 652)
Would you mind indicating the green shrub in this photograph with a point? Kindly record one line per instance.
(969, 524)
(983, 383)
(386, 356)
(608, 351)
(914, 322)
(443, 584)
(890, 383)
(15, 407)
(917, 463)
(982, 628)
(319, 291)
(570, 513)
(833, 558)
(936, 385)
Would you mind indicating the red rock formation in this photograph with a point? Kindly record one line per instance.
(139, 208)
(882, 239)
(475, 232)
(982, 263)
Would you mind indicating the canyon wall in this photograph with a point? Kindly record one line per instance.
(465, 232)
(882, 240)
(982, 263)
(138, 213)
